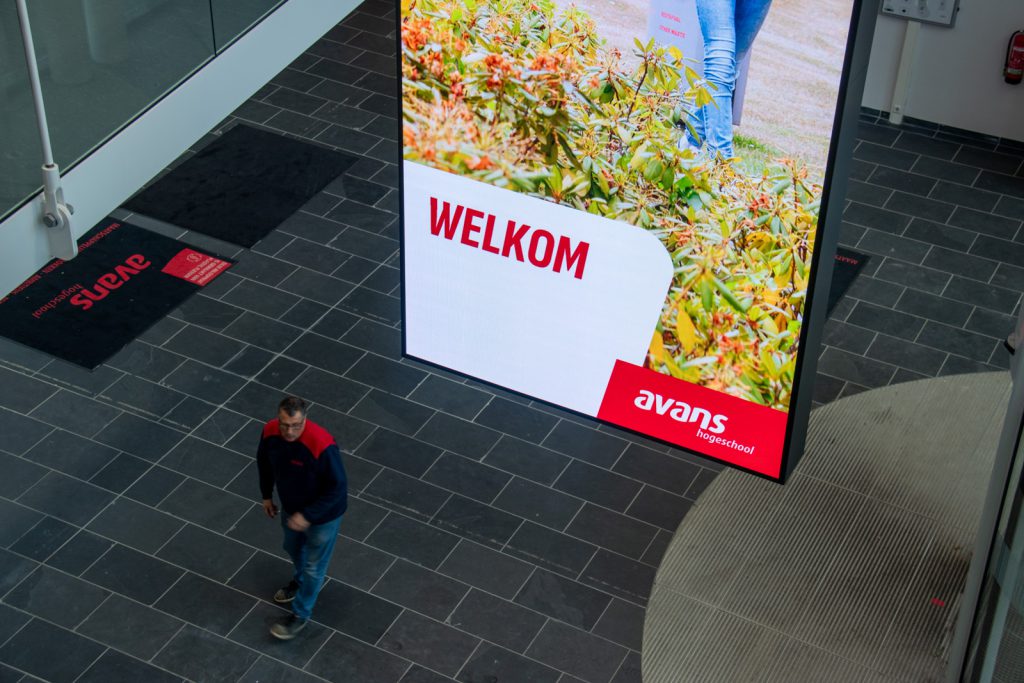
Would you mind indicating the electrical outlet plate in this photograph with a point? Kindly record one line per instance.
(940, 12)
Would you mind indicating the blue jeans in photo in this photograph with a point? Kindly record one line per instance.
(310, 551)
(729, 28)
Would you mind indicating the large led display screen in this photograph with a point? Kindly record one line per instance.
(613, 207)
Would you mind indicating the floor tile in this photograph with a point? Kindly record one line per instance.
(476, 521)
(660, 508)
(391, 412)
(612, 530)
(493, 663)
(358, 564)
(266, 670)
(412, 540)
(19, 475)
(580, 654)
(204, 461)
(133, 574)
(205, 553)
(80, 414)
(39, 542)
(517, 420)
(114, 667)
(203, 657)
(537, 503)
(78, 554)
(66, 498)
(153, 486)
(450, 397)
(420, 590)
(130, 627)
(354, 612)
(551, 549)
(623, 623)
(19, 433)
(467, 477)
(563, 599)
(71, 454)
(49, 652)
(346, 659)
(205, 603)
(597, 485)
(486, 569)
(135, 525)
(405, 494)
(458, 436)
(498, 621)
(56, 597)
(206, 505)
(204, 382)
(417, 674)
(22, 393)
(585, 443)
(120, 473)
(429, 643)
(619, 575)
(399, 452)
(139, 436)
(253, 631)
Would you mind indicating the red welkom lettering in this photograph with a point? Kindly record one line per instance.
(133, 265)
(520, 241)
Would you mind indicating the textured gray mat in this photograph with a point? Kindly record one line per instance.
(851, 571)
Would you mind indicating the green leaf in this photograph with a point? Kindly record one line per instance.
(728, 295)
(707, 296)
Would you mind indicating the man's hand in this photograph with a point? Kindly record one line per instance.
(298, 522)
(269, 507)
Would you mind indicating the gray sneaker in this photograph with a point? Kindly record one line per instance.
(286, 594)
(288, 628)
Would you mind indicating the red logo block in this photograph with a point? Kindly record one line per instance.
(197, 268)
(709, 422)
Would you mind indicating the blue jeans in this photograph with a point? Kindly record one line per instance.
(310, 551)
(729, 28)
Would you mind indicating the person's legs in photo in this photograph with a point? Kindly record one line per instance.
(714, 121)
(295, 545)
(314, 558)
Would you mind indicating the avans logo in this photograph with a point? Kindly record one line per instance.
(680, 411)
(133, 265)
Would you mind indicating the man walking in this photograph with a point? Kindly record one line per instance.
(301, 458)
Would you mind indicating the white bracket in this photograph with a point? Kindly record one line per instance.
(901, 91)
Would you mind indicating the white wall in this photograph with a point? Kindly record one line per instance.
(957, 76)
(116, 170)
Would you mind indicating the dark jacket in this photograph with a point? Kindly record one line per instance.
(307, 472)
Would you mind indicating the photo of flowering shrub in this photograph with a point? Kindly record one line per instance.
(527, 96)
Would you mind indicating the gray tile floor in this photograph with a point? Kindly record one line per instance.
(488, 536)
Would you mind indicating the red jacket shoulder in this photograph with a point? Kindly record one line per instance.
(316, 438)
(271, 428)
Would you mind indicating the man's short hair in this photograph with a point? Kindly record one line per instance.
(293, 405)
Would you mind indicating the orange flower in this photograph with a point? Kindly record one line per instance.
(480, 163)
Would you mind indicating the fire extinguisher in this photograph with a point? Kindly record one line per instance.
(1014, 69)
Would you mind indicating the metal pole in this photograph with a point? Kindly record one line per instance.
(56, 213)
(33, 78)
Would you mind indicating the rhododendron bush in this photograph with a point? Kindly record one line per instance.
(524, 96)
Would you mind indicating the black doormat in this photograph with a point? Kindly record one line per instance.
(848, 264)
(241, 186)
(123, 280)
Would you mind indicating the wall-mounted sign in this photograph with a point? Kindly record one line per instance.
(582, 222)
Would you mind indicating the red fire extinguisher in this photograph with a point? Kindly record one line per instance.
(1014, 69)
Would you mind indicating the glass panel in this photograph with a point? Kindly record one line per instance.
(20, 154)
(999, 644)
(102, 62)
(231, 18)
